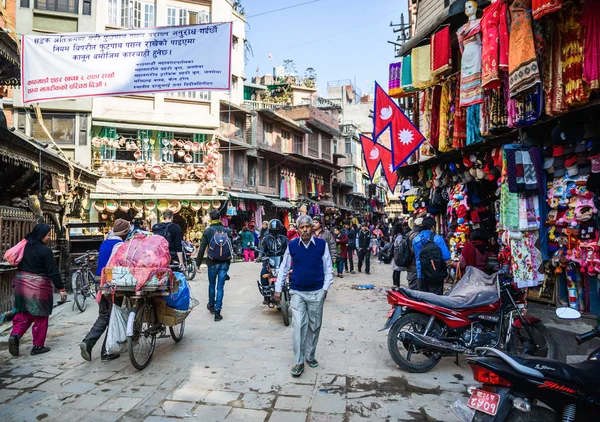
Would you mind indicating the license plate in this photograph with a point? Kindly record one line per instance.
(484, 401)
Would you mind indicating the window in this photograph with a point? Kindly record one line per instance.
(239, 127)
(273, 176)
(238, 166)
(190, 95)
(225, 166)
(326, 153)
(313, 144)
(83, 127)
(348, 147)
(148, 15)
(262, 179)
(348, 173)
(125, 12)
(235, 42)
(251, 171)
(267, 133)
(87, 7)
(183, 17)
(203, 16)
(21, 118)
(132, 13)
(171, 16)
(285, 138)
(24, 3)
(298, 145)
(234, 82)
(60, 126)
(67, 6)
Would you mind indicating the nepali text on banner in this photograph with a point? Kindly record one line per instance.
(181, 58)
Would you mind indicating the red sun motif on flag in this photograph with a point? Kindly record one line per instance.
(406, 138)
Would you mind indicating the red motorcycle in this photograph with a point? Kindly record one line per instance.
(481, 311)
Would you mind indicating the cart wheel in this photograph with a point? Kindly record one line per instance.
(141, 343)
(285, 307)
(177, 331)
(80, 298)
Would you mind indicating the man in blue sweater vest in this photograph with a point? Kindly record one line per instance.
(309, 282)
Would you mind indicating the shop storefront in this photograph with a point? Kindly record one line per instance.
(513, 140)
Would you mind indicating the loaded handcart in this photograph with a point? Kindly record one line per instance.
(153, 297)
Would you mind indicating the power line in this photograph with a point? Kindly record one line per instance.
(283, 8)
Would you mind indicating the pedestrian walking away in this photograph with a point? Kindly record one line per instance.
(431, 254)
(174, 235)
(364, 249)
(342, 250)
(108, 247)
(396, 240)
(411, 269)
(309, 283)
(351, 233)
(216, 241)
(36, 273)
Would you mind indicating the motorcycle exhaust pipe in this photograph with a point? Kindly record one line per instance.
(427, 342)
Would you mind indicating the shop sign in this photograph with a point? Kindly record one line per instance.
(182, 58)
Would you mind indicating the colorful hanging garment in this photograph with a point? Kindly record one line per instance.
(529, 107)
(395, 81)
(498, 110)
(494, 44)
(542, 8)
(282, 187)
(577, 92)
(484, 121)
(591, 63)
(511, 104)
(425, 103)
(406, 69)
(421, 66)
(460, 120)
(523, 68)
(469, 40)
(436, 97)
(473, 130)
(445, 122)
(553, 75)
(441, 52)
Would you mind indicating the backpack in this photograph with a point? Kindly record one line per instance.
(162, 229)
(219, 247)
(403, 253)
(433, 267)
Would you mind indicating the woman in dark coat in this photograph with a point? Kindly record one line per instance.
(36, 273)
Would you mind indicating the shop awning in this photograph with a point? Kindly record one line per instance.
(327, 204)
(244, 195)
(281, 204)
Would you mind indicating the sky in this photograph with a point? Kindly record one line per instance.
(340, 39)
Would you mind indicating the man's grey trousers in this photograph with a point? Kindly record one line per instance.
(307, 314)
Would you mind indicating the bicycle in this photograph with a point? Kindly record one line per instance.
(83, 280)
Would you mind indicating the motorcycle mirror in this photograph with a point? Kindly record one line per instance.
(567, 313)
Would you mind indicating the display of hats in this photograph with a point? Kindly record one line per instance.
(185, 204)
(138, 205)
(548, 162)
(559, 172)
(175, 206)
(156, 169)
(558, 150)
(216, 204)
(195, 147)
(99, 206)
(205, 205)
(139, 172)
(163, 205)
(195, 205)
(188, 158)
(112, 206)
(124, 205)
(595, 162)
(150, 205)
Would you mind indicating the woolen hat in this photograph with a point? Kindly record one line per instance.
(121, 227)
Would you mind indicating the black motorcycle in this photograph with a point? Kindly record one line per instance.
(514, 386)
(190, 263)
(268, 290)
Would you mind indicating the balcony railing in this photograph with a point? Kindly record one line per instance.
(327, 103)
(260, 105)
(67, 6)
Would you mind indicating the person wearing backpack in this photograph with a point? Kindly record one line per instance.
(431, 254)
(172, 232)
(404, 256)
(396, 241)
(216, 242)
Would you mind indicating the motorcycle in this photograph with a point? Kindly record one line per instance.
(481, 310)
(238, 252)
(268, 292)
(514, 385)
(190, 263)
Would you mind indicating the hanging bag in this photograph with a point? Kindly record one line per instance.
(15, 254)
(117, 330)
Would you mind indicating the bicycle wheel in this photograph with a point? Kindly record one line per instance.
(177, 331)
(285, 307)
(190, 270)
(92, 287)
(79, 297)
(141, 343)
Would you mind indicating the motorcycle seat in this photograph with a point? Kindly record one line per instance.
(583, 374)
(454, 300)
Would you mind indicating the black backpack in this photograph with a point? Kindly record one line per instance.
(403, 253)
(433, 267)
(162, 229)
(219, 246)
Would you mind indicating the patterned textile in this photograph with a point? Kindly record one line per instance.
(509, 209)
(484, 121)
(421, 66)
(34, 294)
(529, 107)
(577, 92)
(526, 260)
(441, 52)
(446, 123)
(469, 40)
(436, 97)
(542, 8)
(406, 69)
(395, 79)
(460, 120)
(498, 118)
(511, 104)
(473, 117)
(494, 44)
(591, 63)
(511, 169)
(553, 74)
(523, 67)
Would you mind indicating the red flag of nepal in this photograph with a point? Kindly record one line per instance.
(376, 154)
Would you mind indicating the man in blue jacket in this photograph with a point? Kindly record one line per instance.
(309, 283)
(427, 231)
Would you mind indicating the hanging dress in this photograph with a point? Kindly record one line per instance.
(523, 69)
(494, 44)
(591, 63)
(469, 40)
(577, 92)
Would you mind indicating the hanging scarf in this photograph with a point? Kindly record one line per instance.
(445, 137)
(407, 81)
(421, 67)
(441, 52)
(395, 81)
(591, 62)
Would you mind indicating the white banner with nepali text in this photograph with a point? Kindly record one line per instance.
(178, 58)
